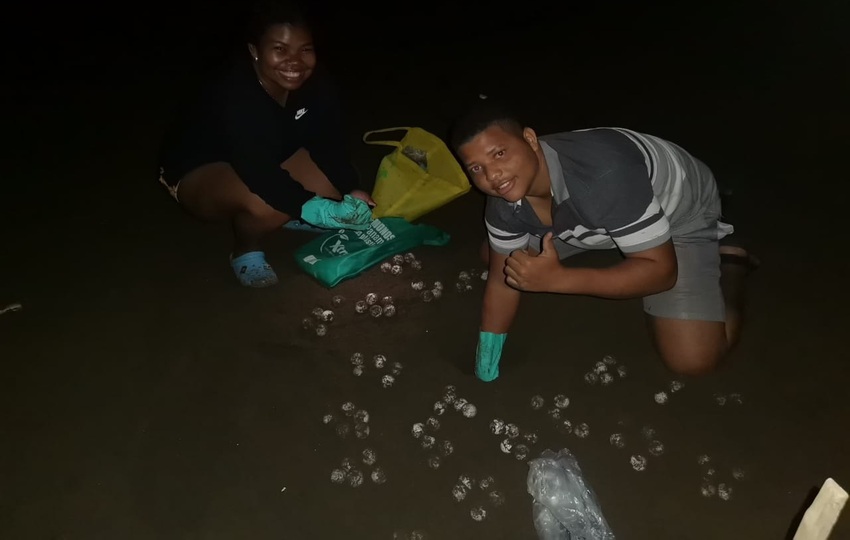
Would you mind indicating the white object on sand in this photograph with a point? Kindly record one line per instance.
(11, 307)
(820, 518)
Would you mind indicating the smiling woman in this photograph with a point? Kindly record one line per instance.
(263, 145)
(284, 53)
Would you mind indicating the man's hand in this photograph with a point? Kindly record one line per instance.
(363, 196)
(535, 273)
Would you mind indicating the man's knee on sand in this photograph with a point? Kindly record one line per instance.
(694, 364)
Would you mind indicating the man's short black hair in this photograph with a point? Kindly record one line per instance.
(482, 114)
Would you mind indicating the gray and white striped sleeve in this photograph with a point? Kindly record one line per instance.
(650, 230)
(503, 232)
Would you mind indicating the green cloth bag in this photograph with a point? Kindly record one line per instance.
(336, 256)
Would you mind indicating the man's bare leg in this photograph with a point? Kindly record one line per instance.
(693, 347)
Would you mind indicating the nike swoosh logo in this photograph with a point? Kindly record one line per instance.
(300, 113)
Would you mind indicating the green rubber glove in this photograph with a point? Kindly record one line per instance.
(487, 355)
(350, 213)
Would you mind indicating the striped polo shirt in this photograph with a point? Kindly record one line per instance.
(614, 188)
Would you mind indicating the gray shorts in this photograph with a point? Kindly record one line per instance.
(696, 295)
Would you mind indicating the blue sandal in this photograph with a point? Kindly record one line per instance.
(252, 270)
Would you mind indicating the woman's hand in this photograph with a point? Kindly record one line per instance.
(363, 196)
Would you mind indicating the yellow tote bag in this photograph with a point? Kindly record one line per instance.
(419, 176)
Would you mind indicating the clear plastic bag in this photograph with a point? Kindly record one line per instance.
(565, 508)
(546, 525)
